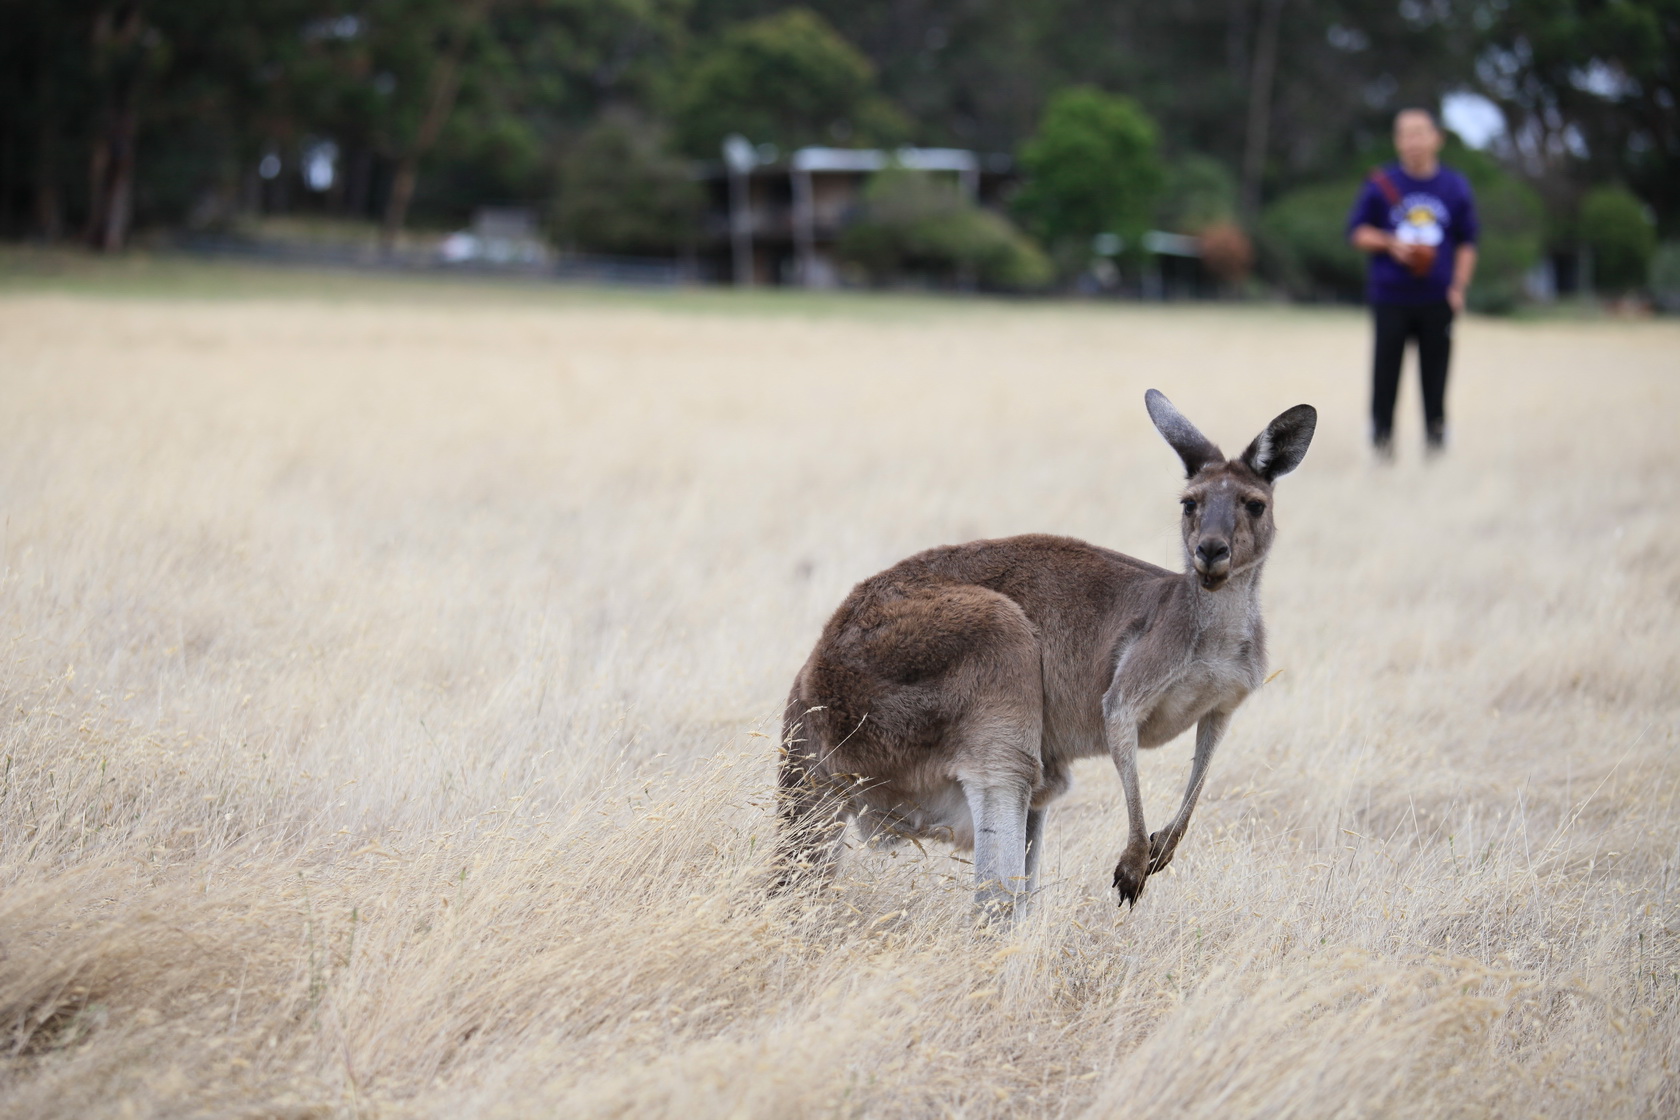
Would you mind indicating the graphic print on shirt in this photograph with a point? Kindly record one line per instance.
(1420, 219)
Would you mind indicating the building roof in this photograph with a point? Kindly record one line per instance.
(874, 159)
(867, 160)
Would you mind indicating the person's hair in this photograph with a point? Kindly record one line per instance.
(1430, 113)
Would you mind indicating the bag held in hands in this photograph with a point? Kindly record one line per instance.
(1419, 259)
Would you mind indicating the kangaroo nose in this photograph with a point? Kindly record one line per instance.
(1212, 552)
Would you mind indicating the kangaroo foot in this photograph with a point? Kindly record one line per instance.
(998, 907)
(1129, 875)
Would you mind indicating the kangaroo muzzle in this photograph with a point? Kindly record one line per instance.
(1212, 555)
(1212, 561)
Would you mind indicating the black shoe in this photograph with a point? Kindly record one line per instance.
(1435, 442)
(1384, 448)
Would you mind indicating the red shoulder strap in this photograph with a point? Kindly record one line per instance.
(1385, 185)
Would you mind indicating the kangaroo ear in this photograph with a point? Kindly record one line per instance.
(1192, 446)
(1281, 447)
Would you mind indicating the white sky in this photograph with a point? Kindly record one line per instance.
(1476, 119)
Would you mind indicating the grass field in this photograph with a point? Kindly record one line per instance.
(387, 675)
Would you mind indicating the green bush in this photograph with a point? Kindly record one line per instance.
(1621, 237)
(1200, 192)
(1092, 167)
(1665, 276)
(915, 224)
(1513, 230)
(621, 191)
(1303, 242)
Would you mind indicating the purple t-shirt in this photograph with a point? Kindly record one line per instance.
(1439, 211)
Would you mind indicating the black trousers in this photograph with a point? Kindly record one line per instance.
(1431, 325)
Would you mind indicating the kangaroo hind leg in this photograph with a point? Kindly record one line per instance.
(1000, 846)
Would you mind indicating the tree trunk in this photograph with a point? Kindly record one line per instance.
(49, 212)
(49, 209)
(444, 84)
(119, 198)
(119, 61)
(1260, 83)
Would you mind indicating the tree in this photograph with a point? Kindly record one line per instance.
(443, 83)
(1592, 91)
(622, 192)
(1092, 167)
(1257, 133)
(788, 80)
(543, 74)
(978, 75)
(224, 86)
(1620, 236)
(127, 53)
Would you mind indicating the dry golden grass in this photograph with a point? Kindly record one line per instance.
(384, 685)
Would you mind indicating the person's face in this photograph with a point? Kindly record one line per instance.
(1416, 139)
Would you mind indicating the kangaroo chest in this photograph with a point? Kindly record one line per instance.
(1204, 685)
(1225, 661)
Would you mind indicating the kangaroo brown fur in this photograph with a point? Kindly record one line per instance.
(949, 694)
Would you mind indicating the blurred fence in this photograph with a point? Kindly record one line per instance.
(567, 267)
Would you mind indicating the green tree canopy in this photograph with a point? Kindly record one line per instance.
(786, 79)
(1596, 89)
(1620, 236)
(622, 192)
(1092, 167)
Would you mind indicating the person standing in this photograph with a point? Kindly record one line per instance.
(1417, 220)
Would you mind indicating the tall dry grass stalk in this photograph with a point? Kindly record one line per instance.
(385, 689)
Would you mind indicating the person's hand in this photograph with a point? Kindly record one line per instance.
(1455, 299)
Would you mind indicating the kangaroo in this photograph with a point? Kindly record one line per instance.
(949, 694)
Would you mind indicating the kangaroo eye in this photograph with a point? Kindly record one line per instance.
(1189, 505)
(1255, 509)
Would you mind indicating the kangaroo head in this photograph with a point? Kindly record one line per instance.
(1227, 522)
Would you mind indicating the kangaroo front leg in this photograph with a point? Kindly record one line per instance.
(1000, 846)
(1163, 843)
(1133, 867)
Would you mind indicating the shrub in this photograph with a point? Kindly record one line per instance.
(1621, 237)
(1303, 242)
(1092, 167)
(915, 224)
(1226, 252)
(1665, 276)
(1513, 229)
(1200, 192)
(622, 192)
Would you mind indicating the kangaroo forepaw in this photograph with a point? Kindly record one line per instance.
(1162, 845)
(1128, 879)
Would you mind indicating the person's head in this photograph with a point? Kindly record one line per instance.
(1417, 140)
